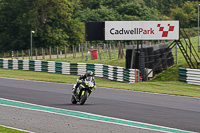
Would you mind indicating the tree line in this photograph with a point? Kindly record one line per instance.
(62, 22)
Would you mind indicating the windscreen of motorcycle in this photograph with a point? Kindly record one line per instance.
(89, 81)
(89, 78)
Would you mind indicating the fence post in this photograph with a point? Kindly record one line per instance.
(65, 52)
(22, 54)
(99, 52)
(50, 52)
(122, 56)
(119, 50)
(90, 50)
(114, 48)
(57, 52)
(12, 54)
(42, 53)
(29, 54)
(108, 47)
(17, 54)
(73, 51)
(82, 51)
(36, 53)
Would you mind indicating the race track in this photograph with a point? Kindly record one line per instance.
(164, 110)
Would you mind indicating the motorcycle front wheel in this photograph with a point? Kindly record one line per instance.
(83, 97)
(73, 100)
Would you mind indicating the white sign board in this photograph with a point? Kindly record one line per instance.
(141, 30)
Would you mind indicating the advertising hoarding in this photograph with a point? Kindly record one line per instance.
(141, 30)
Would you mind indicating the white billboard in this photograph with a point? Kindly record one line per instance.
(141, 30)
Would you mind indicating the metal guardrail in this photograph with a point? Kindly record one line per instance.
(191, 76)
(100, 70)
(182, 74)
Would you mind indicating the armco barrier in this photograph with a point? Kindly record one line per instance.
(104, 71)
(182, 74)
(191, 76)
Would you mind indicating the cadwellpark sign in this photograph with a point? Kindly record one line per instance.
(141, 30)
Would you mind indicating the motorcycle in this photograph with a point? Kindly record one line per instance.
(83, 91)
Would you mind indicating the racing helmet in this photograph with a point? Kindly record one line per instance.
(89, 73)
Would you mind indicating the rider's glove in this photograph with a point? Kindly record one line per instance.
(95, 87)
(78, 80)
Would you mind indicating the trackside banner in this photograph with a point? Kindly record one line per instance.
(141, 30)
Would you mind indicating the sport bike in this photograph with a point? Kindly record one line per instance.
(83, 91)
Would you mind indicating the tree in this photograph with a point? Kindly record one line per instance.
(136, 11)
(100, 14)
(110, 10)
(76, 32)
(187, 14)
(91, 4)
(164, 6)
(50, 19)
(13, 24)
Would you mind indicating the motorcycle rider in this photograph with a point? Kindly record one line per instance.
(82, 78)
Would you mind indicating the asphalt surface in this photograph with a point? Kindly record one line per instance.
(164, 110)
(42, 122)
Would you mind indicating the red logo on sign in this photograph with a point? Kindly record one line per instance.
(165, 33)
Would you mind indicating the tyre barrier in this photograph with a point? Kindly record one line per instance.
(114, 73)
(191, 76)
(157, 55)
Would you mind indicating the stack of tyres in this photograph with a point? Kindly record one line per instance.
(156, 60)
(128, 58)
(170, 59)
(146, 59)
(151, 61)
(155, 56)
(164, 59)
(150, 57)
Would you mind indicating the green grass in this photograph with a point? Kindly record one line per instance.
(114, 61)
(9, 130)
(171, 74)
(170, 87)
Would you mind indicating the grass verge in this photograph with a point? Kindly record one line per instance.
(9, 130)
(114, 61)
(169, 87)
